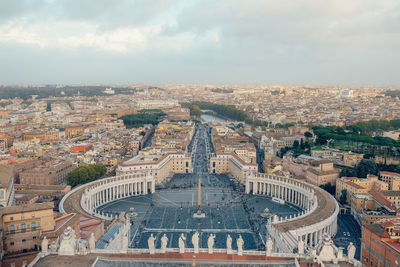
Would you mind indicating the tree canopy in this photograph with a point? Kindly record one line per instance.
(365, 167)
(143, 117)
(352, 134)
(343, 197)
(85, 174)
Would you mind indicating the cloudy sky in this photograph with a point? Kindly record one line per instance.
(335, 42)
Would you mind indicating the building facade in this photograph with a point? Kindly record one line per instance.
(7, 177)
(47, 175)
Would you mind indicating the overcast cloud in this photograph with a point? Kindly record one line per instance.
(205, 41)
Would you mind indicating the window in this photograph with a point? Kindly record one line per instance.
(23, 227)
(11, 243)
(12, 228)
(11, 218)
(34, 237)
(387, 263)
(33, 226)
(23, 240)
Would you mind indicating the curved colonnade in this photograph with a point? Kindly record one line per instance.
(319, 216)
(100, 192)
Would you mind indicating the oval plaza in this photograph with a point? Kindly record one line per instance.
(167, 202)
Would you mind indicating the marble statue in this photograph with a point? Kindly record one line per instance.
(164, 243)
(195, 242)
(351, 250)
(270, 246)
(73, 234)
(181, 243)
(125, 242)
(53, 247)
(92, 242)
(210, 243)
(240, 243)
(82, 247)
(300, 247)
(68, 243)
(340, 254)
(150, 243)
(122, 217)
(45, 245)
(229, 244)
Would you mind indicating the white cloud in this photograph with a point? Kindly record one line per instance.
(71, 35)
(249, 37)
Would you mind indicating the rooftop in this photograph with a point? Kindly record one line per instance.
(26, 208)
(390, 193)
(6, 174)
(326, 207)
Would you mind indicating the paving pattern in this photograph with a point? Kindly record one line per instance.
(228, 211)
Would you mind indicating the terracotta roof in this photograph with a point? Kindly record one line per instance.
(25, 208)
(390, 173)
(317, 172)
(382, 200)
(355, 185)
(390, 193)
(6, 174)
(377, 229)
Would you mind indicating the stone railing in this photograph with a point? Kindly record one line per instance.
(308, 225)
(100, 192)
(304, 199)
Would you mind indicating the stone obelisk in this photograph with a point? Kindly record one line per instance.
(199, 213)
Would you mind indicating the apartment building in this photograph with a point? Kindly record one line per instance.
(6, 185)
(73, 130)
(45, 135)
(50, 174)
(22, 227)
(354, 185)
(392, 178)
(233, 164)
(157, 163)
(380, 244)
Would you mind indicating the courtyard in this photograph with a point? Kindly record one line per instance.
(228, 211)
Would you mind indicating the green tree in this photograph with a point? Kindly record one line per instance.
(308, 135)
(85, 174)
(348, 172)
(195, 111)
(302, 145)
(343, 197)
(365, 167)
(331, 189)
(295, 144)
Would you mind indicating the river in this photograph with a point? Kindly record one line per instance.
(211, 118)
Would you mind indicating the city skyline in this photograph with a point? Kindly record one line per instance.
(199, 42)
